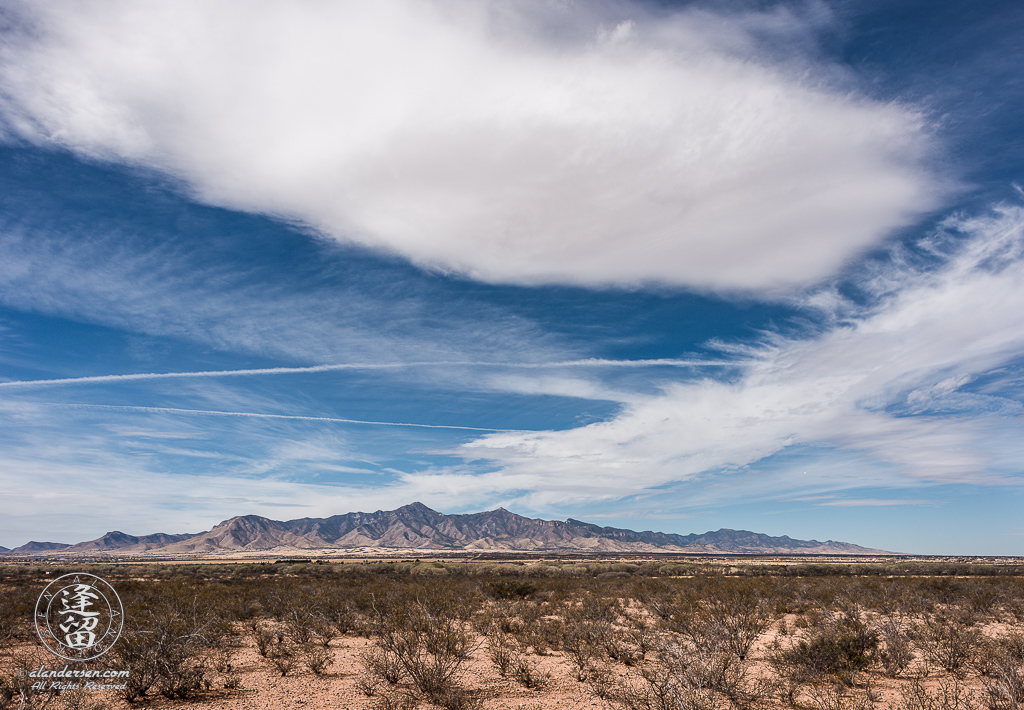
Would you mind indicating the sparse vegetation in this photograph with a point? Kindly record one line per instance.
(639, 635)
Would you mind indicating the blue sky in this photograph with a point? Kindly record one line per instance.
(671, 266)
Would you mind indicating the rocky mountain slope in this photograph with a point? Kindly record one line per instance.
(417, 527)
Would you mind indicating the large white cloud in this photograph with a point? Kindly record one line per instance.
(513, 142)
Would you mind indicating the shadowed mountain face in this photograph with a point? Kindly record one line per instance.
(118, 540)
(417, 527)
(32, 547)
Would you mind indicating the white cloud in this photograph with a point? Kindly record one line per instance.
(840, 391)
(97, 275)
(69, 478)
(591, 143)
(876, 502)
(262, 415)
(570, 387)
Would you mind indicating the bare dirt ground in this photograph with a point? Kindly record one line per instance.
(254, 683)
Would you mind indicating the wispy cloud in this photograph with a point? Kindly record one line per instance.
(69, 477)
(258, 415)
(877, 502)
(531, 142)
(930, 329)
(584, 363)
(96, 273)
(924, 330)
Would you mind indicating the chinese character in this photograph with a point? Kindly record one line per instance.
(78, 623)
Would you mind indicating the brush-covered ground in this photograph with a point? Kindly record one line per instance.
(539, 635)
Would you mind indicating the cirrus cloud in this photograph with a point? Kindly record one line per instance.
(886, 386)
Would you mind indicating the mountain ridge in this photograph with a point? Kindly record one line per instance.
(417, 527)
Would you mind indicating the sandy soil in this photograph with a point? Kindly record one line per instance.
(260, 686)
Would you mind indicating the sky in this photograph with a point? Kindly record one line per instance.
(669, 266)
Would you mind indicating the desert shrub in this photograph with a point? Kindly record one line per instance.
(527, 674)
(693, 676)
(950, 640)
(544, 635)
(324, 631)
(1004, 688)
(301, 625)
(740, 615)
(368, 684)
(137, 652)
(181, 671)
(1012, 645)
(984, 598)
(10, 621)
(586, 627)
(656, 595)
(659, 688)
(341, 614)
(16, 612)
(951, 694)
(1003, 672)
(714, 668)
(642, 634)
(525, 621)
(724, 613)
(222, 659)
(621, 645)
(839, 647)
(428, 637)
(283, 657)
(382, 665)
(317, 658)
(503, 650)
(836, 696)
(511, 589)
(167, 648)
(702, 663)
(263, 638)
(501, 616)
(897, 651)
(16, 692)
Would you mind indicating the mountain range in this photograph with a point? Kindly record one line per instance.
(417, 527)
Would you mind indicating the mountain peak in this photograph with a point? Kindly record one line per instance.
(243, 520)
(416, 505)
(415, 526)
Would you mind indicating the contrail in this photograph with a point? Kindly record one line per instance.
(590, 362)
(258, 415)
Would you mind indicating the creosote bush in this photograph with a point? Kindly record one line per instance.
(950, 639)
(511, 589)
(317, 658)
(950, 694)
(837, 648)
(635, 634)
(167, 647)
(382, 665)
(430, 639)
(896, 652)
